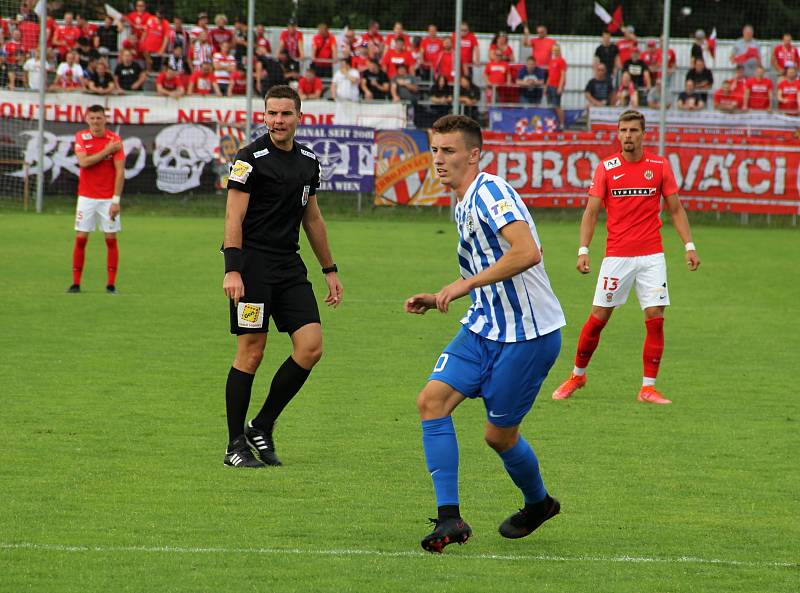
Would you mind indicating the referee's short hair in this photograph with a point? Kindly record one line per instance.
(469, 128)
(283, 91)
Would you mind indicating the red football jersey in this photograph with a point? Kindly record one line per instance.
(789, 89)
(496, 73)
(631, 194)
(759, 92)
(97, 181)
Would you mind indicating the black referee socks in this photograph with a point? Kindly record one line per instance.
(288, 380)
(237, 400)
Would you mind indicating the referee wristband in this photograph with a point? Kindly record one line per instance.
(233, 259)
(330, 269)
(115, 199)
(583, 251)
(690, 246)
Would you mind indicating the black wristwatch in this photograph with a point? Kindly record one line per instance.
(330, 269)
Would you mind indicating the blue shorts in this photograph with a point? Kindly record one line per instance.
(506, 375)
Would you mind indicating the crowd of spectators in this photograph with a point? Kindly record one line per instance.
(624, 77)
(143, 51)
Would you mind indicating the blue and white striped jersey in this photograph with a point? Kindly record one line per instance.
(523, 307)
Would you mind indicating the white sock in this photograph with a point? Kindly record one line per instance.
(648, 382)
(578, 372)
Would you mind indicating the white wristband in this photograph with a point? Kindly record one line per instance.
(583, 251)
(115, 200)
(690, 246)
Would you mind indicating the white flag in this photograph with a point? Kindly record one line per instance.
(113, 12)
(602, 13)
(514, 20)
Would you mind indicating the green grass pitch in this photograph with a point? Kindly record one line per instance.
(113, 426)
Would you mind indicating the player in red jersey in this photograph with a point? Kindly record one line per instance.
(630, 184)
(102, 162)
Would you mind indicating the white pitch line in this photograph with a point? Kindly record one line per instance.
(389, 554)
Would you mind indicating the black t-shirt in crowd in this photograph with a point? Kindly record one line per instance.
(102, 82)
(699, 77)
(636, 68)
(128, 75)
(373, 78)
(280, 183)
(108, 37)
(600, 89)
(607, 55)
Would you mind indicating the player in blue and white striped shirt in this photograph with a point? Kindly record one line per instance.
(509, 340)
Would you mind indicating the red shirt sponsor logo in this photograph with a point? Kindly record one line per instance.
(631, 194)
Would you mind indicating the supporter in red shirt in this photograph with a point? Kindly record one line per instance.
(137, 18)
(445, 61)
(154, 40)
(758, 92)
(556, 80)
(397, 32)
(170, 83)
(221, 32)
(29, 33)
(497, 73)
(310, 85)
(726, 100)
(374, 40)
(504, 51)
(785, 55)
(323, 51)
(430, 46)
(292, 41)
(652, 57)
(541, 51)
(203, 81)
(131, 44)
(395, 56)
(66, 36)
(238, 84)
(88, 29)
(360, 59)
(788, 90)
(470, 52)
(627, 44)
(13, 47)
(261, 39)
(739, 81)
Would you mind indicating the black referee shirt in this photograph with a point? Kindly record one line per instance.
(279, 183)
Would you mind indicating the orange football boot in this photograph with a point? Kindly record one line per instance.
(649, 395)
(569, 386)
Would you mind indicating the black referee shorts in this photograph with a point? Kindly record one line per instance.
(285, 295)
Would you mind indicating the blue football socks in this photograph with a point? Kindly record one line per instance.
(523, 467)
(441, 453)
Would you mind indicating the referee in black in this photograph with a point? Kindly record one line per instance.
(271, 190)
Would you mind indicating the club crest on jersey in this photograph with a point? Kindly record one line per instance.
(612, 163)
(240, 171)
(648, 175)
(250, 315)
(306, 191)
(87, 136)
(470, 224)
(501, 207)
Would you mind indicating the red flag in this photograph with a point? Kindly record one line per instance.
(712, 43)
(517, 15)
(616, 20)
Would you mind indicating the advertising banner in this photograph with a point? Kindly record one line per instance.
(526, 120)
(719, 173)
(150, 109)
(403, 170)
